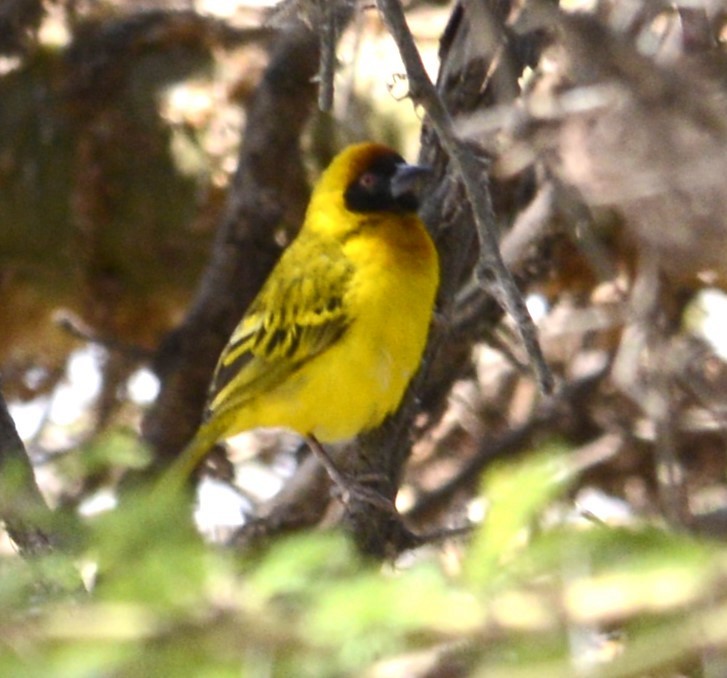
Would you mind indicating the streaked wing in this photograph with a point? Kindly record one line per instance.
(297, 315)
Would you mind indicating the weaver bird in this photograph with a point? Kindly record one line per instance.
(336, 333)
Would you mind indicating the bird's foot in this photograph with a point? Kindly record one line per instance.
(352, 490)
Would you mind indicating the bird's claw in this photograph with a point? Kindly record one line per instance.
(352, 490)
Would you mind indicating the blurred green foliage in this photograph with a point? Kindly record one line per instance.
(522, 596)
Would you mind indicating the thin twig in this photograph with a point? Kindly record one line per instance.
(77, 328)
(508, 443)
(346, 91)
(491, 271)
(327, 67)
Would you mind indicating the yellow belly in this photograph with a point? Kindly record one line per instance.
(352, 386)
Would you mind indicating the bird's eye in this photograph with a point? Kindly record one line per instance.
(368, 181)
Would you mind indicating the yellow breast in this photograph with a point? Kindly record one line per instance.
(357, 382)
(391, 300)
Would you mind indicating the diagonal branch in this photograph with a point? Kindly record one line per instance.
(491, 271)
(269, 190)
(26, 516)
(327, 66)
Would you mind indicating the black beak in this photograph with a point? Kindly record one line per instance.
(409, 179)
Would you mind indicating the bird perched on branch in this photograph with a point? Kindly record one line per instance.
(336, 333)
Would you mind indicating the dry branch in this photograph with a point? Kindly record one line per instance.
(383, 453)
(22, 508)
(269, 190)
(491, 271)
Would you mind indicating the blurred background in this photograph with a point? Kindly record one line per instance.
(155, 158)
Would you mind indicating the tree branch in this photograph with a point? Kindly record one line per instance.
(269, 190)
(511, 442)
(26, 516)
(327, 67)
(378, 458)
(491, 271)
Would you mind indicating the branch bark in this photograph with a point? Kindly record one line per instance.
(381, 455)
(269, 190)
(491, 271)
(26, 516)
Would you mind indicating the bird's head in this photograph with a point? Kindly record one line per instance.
(368, 179)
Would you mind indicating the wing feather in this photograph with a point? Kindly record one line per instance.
(298, 314)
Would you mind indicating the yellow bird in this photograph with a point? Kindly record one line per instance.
(336, 333)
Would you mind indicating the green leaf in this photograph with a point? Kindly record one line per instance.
(516, 494)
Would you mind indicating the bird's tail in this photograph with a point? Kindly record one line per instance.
(175, 478)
